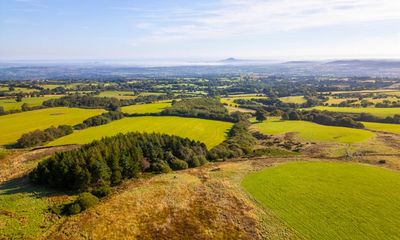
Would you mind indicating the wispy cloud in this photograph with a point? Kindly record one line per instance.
(250, 17)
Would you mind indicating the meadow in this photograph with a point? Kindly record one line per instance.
(207, 131)
(11, 104)
(118, 94)
(293, 99)
(230, 100)
(146, 108)
(330, 200)
(379, 112)
(383, 127)
(12, 126)
(312, 131)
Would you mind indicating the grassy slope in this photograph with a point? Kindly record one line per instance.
(146, 108)
(384, 127)
(208, 131)
(331, 200)
(12, 126)
(23, 210)
(11, 104)
(230, 100)
(314, 132)
(380, 112)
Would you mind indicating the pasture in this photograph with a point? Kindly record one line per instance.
(313, 132)
(293, 99)
(383, 127)
(118, 94)
(207, 131)
(11, 104)
(231, 98)
(146, 108)
(379, 112)
(330, 200)
(12, 126)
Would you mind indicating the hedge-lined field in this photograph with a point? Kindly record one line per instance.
(379, 112)
(313, 132)
(11, 104)
(12, 126)
(208, 131)
(146, 108)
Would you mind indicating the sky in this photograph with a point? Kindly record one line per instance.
(199, 30)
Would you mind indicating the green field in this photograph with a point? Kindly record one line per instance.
(11, 104)
(23, 212)
(230, 100)
(313, 132)
(118, 94)
(384, 127)
(327, 200)
(208, 131)
(12, 126)
(146, 108)
(379, 112)
(293, 99)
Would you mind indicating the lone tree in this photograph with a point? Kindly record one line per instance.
(261, 115)
(19, 97)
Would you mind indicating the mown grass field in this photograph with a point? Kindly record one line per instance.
(380, 112)
(12, 126)
(312, 131)
(293, 99)
(146, 108)
(384, 127)
(327, 200)
(11, 104)
(207, 131)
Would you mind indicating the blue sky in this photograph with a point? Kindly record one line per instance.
(177, 29)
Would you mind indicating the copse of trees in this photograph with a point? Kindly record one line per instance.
(323, 118)
(100, 120)
(205, 107)
(240, 143)
(86, 101)
(40, 137)
(101, 164)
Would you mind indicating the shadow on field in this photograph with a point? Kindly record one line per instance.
(22, 185)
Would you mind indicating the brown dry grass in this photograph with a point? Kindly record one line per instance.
(19, 162)
(203, 203)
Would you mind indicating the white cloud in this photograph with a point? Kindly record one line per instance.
(252, 17)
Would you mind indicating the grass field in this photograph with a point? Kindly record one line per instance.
(208, 131)
(293, 99)
(313, 132)
(23, 213)
(379, 112)
(11, 104)
(230, 100)
(118, 94)
(384, 127)
(12, 126)
(146, 108)
(326, 200)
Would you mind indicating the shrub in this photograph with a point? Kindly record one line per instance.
(74, 208)
(177, 164)
(101, 191)
(86, 200)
